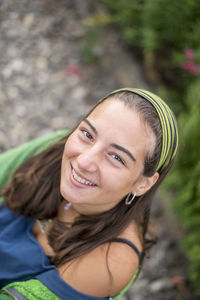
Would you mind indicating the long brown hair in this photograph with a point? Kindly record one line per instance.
(34, 191)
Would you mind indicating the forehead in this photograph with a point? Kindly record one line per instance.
(121, 124)
(112, 111)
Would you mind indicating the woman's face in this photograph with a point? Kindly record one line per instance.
(104, 157)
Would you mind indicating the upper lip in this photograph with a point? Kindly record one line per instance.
(80, 175)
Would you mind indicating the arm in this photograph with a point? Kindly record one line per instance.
(11, 159)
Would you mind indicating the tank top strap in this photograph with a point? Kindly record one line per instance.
(129, 243)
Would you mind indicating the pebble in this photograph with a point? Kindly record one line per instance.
(79, 93)
(42, 63)
(160, 284)
(28, 21)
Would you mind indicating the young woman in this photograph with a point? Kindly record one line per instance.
(76, 209)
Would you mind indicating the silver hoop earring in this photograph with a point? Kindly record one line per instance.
(130, 198)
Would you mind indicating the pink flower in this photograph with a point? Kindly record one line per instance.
(189, 53)
(190, 66)
(74, 70)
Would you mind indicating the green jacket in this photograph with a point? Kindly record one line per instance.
(11, 159)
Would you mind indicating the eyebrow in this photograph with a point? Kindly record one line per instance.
(118, 147)
(91, 126)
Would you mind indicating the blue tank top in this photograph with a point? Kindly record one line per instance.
(22, 257)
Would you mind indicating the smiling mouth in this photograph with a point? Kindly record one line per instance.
(81, 180)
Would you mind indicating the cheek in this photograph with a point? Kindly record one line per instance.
(118, 180)
(72, 147)
(69, 152)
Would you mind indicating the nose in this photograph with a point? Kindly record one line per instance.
(89, 160)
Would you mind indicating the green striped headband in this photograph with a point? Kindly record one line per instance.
(168, 125)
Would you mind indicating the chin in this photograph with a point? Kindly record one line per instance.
(66, 194)
(63, 191)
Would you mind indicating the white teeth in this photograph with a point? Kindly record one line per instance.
(81, 180)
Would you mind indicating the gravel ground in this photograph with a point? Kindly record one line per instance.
(45, 86)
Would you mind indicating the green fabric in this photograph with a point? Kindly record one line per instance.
(11, 159)
(5, 296)
(33, 289)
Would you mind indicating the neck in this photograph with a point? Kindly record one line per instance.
(69, 211)
(86, 209)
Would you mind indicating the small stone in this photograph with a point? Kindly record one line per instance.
(42, 63)
(20, 110)
(42, 78)
(28, 21)
(79, 92)
(2, 96)
(58, 123)
(12, 51)
(13, 92)
(160, 284)
(17, 65)
(7, 72)
(44, 47)
(72, 81)
(13, 33)
(14, 15)
(21, 82)
(46, 23)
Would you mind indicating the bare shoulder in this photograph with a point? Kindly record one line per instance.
(123, 259)
(106, 270)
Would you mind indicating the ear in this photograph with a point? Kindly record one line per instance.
(144, 184)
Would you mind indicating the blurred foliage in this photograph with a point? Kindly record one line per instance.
(166, 34)
(161, 30)
(185, 179)
(99, 18)
(87, 50)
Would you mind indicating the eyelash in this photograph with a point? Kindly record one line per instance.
(118, 158)
(90, 137)
(87, 134)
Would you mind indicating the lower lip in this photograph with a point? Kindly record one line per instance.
(79, 184)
